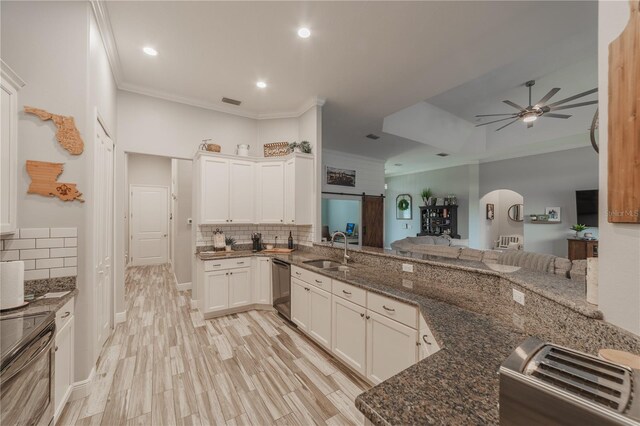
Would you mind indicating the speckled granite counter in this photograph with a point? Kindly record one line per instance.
(40, 287)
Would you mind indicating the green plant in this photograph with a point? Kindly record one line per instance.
(579, 228)
(305, 146)
(403, 205)
(293, 145)
(426, 194)
(229, 241)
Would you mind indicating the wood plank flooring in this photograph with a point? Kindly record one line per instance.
(166, 365)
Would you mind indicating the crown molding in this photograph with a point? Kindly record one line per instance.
(106, 32)
(10, 75)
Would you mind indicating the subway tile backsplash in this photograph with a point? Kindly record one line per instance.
(302, 234)
(46, 252)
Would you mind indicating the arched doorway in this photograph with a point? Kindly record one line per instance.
(498, 216)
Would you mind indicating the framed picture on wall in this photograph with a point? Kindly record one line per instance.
(491, 211)
(553, 213)
(341, 177)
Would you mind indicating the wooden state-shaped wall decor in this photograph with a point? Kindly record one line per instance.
(44, 181)
(624, 123)
(67, 133)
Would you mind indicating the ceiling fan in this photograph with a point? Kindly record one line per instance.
(541, 109)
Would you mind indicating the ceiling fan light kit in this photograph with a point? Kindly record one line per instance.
(541, 109)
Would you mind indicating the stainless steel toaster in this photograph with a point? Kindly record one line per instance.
(546, 384)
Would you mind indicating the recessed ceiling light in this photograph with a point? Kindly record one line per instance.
(150, 51)
(398, 164)
(442, 154)
(304, 32)
(261, 84)
(372, 136)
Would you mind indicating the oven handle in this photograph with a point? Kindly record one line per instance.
(49, 330)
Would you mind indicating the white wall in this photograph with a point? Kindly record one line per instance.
(619, 246)
(454, 180)
(545, 180)
(182, 230)
(369, 173)
(490, 230)
(341, 212)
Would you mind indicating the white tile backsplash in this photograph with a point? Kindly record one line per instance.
(46, 252)
(301, 234)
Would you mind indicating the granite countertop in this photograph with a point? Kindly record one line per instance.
(37, 288)
(44, 305)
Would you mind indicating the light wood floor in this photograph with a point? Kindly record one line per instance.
(167, 365)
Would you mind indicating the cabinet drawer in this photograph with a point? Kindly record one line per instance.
(312, 278)
(391, 308)
(215, 265)
(64, 314)
(350, 292)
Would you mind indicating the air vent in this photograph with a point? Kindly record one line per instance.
(602, 383)
(372, 136)
(231, 101)
(442, 154)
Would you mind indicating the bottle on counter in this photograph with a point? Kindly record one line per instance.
(290, 241)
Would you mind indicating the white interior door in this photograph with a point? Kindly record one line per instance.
(104, 206)
(149, 212)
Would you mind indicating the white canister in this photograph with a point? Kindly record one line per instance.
(243, 150)
(11, 284)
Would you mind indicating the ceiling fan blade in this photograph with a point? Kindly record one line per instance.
(494, 121)
(494, 115)
(548, 96)
(508, 124)
(516, 106)
(551, 115)
(529, 125)
(573, 105)
(570, 98)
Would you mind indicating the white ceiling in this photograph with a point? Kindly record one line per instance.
(368, 59)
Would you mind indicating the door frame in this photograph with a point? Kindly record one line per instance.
(131, 186)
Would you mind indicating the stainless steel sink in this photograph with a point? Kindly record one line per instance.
(341, 268)
(323, 264)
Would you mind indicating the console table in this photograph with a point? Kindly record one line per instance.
(582, 249)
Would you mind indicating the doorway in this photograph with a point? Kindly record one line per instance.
(149, 224)
(372, 221)
(501, 214)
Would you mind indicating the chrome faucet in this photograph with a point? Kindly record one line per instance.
(346, 257)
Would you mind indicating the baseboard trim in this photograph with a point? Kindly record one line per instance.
(120, 317)
(252, 307)
(183, 286)
(82, 388)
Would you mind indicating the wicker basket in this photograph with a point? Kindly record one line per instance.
(277, 149)
(211, 147)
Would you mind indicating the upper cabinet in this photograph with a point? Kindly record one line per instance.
(255, 190)
(10, 85)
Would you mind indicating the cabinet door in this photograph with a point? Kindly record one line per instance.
(262, 280)
(300, 303)
(290, 191)
(214, 188)
(239, 287)
(271, 192)
(320, 316)
(64, 366)
(216, 290)
(242, 191)
(391, 347)
(349, 333)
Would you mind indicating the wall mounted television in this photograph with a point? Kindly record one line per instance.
(587, 207)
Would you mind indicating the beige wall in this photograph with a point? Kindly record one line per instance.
(182, 230)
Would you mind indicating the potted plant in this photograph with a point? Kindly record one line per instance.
(426, 196)
(579, 228)
(229, 243)
(305, 146)
(294, 147)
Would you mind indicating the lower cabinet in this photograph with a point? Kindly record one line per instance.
(239, 287)
(319, 323)
(216, 291)
(391, 347)
(349, 333)
(300, 303)
(262, 281)
(65, 321)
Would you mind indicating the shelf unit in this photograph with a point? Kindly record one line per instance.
(435, 220)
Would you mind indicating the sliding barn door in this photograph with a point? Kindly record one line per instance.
(372, 221)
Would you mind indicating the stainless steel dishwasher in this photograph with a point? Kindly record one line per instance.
(281, 282)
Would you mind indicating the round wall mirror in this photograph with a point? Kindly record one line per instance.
(516, 212)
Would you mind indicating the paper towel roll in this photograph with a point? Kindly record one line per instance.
(11, 284)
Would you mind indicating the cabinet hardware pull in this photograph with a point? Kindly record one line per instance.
(66, 314)
(346, 292)
(368, 317)
(217, 264)
(319, 281)
(227, 273)
(361, 315)
(56, 349)
(425, 339)
(240, 263)
(230, 273)
(388, 309)
(306, 288)
(418, 343)
(298, 273)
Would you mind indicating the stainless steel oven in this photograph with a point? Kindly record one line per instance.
(27, 369)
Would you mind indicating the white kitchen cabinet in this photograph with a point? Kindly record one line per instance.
(239, 287)
(391, 347)
(214, 190)
(10, 84)
(64, 359)
(299, 190)
(270, 188)
(319, 318)
(241, 191)
(262, 281)
(349, 333)
(300, 303)
(216, 291)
